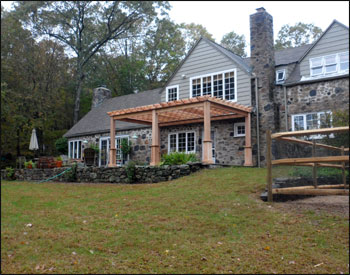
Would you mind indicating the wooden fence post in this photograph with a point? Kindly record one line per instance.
(314, 168)
(269, 166)
(343, 168)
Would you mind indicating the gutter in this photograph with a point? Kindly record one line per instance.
(257, 118)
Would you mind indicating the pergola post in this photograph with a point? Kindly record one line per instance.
(112, 150)
(248, 160)
(155, 148)
(207, 142)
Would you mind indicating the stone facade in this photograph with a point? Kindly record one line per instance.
(99, 95)
(142, 174)
(319, 96)
(263, 66)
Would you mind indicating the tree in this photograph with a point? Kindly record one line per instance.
(163, 49)
(297, 35)
(235, 43)
(192, 32)
(86, 26)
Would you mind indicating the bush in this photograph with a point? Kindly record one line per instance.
(306, 172)
(178, 158)
(71, 176)
(10, 173)
(61, 145)
(130, 170)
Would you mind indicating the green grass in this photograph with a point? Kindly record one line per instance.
(209, 222)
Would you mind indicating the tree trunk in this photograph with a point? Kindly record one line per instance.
(18, 143)
(77, 96)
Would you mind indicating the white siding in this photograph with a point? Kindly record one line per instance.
(204, 59)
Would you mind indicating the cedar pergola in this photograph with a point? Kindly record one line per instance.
(185, 111)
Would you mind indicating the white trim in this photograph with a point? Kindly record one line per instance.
(177, 141)
(235, 129)
(100, 147)
(284, 76)
(171, 87)
(212, 86)
(323, 65)
(71, 156)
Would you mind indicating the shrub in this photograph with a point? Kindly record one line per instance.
(10, 173)
(178, 158)
(130, 170)
(339, 118)
(71, 175)
(61, 145)
(306, 172)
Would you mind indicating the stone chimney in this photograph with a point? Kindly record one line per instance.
(99, 95)
(263, 66)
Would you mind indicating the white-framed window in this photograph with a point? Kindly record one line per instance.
(74, 149)
(329, 64)
(105, 145)
(311, 121)
(172, 93)
(182, 142)
(280, 76)
(239, 129)
(220, 84)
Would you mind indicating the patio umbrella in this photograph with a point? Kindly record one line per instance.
(33, 141)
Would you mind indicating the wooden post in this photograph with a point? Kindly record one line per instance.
(269, 166)
(207, 142)
(314, 168)
(155, 148)
(343, 167)
(112, 150)
(248, 160)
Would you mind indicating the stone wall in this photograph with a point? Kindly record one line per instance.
(143, 174)
(320, 96)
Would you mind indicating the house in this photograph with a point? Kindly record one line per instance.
(219, 105)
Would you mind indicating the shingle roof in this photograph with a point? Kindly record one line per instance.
(291, 55)
(97, 120)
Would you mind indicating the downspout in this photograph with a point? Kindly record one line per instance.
(286, 106)
(257, 119)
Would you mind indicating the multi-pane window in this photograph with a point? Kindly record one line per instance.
(218, 86)
(344, 61)
(330, 64)
(311, 121)
(207, 85)
(196, 87)
(230, 86)
(221, 85)
(239, 129)
(74, 149)
(172, 93)
(182, 142)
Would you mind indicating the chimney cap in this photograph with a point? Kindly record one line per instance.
(262, 9)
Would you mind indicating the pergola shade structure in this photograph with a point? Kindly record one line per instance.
(193, 110)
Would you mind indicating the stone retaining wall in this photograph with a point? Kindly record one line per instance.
(142, 174)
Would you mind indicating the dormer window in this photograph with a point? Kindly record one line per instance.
(280, 76)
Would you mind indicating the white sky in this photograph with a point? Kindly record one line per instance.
(221, 17)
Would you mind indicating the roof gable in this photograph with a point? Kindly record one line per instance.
(321, 37)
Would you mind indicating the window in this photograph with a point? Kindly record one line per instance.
(172, 93)
(311, 121)
(330, 64)
(74, 149)
(280, 75)
(221, 85)
(239, 129)
(181, 142)
(344, 61)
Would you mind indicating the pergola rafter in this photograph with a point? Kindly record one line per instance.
(203, 109)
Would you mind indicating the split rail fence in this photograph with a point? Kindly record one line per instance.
(314, 162)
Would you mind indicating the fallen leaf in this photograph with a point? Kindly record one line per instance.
(91, 251)
(219, 243)
(204, 259)
(29, 225)
(116, 215)
(167, 251)
(266, 248)
(238, 259)
(318, 264)
(74, 253)
(25, 233)
(84, 221)
(291, 262)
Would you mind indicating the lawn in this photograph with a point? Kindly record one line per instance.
(208, 222)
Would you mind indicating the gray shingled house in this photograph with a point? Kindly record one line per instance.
(286, 90)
